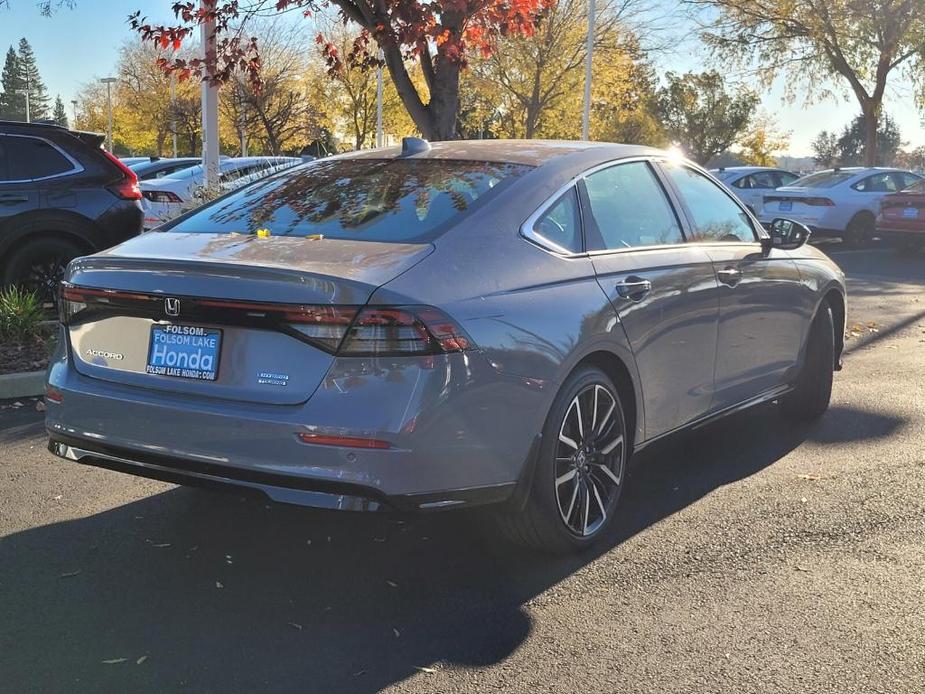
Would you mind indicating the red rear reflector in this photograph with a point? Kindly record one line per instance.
(343, 441)
(53, 394)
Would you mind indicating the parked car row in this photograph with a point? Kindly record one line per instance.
(62, 196)
(170, 195)
(843, 202)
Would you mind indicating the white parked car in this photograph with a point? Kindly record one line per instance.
(837, 202)
(750, 183)
(165, 198)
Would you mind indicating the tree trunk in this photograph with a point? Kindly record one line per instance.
(871, 113)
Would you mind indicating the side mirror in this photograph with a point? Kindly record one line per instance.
(787, 234)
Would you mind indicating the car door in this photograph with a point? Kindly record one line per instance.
(762, 304)
(19, 194)
(763, 182)
(873, 188)
(663, 290)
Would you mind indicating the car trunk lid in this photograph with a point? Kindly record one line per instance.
(262, 314)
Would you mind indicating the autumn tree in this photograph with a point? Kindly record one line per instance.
(701, 115)
(759, 143)
(862, 42)
(440, 37)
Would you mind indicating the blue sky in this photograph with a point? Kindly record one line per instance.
(78, 45)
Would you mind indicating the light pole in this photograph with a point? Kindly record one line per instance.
(108, 81)
(74, 104)
(25, 92)
(589, 51)
(173, 112)
(209, 97)
(379, 101)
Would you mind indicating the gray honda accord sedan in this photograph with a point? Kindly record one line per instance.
(442, 326)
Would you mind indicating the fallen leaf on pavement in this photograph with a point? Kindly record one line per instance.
(70, 574)
(295, 626)
(810, 477)
(392, 583)
(113, 661)
(396, 632)
(218, 584)
(141, 660)
(427, 670)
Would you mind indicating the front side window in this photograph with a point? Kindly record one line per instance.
(561, 223)
(714, 215)
(31, 157)
(390, 200)
(629, 208)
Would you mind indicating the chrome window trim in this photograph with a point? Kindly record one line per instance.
(76, 167)
(529, 233)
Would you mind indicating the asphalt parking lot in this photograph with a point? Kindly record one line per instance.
(752, 556)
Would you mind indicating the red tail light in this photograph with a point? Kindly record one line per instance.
(818, 202)
(127, 187)
(161, 196)
(403, 331)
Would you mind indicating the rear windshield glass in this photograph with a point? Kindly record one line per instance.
(823, 179)
(393, 200)
(917, 187)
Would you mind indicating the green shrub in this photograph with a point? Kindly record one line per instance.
(21, 314)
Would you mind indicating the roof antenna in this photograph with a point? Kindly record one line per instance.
(413, 145)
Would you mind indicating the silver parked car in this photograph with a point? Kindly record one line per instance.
(442, 326)
(750, 183)
(837, 202)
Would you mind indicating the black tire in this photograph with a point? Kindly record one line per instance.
(592, 494)
(860, 230)
(39, 264)
(813, 391)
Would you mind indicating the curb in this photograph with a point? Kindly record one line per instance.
(26, 384)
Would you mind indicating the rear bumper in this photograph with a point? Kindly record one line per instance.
(281, 488)
(459, 434)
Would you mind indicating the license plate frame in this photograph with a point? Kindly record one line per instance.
(785, 205)
(911, 213)
(189, 340)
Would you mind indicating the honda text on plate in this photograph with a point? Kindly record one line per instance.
(442, 326)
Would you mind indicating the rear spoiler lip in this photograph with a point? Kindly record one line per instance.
(89, 138)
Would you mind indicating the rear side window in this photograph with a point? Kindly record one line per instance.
(629, 208)
(786, 178)
(32, 157)
(764, 179)
(561, 223)
(823, 179)
(878, 183)
(714, 215)
(391, 200)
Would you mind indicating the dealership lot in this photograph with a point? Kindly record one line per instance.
(751, 556)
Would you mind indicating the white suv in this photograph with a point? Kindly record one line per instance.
(837, 202)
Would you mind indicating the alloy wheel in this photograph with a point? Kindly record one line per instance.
(43, 278)
(590, 457)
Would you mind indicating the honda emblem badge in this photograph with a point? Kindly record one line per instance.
(172, 306)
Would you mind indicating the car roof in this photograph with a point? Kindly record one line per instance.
(529, 152)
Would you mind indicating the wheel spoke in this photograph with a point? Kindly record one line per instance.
(562, 479)
(581, 429)
(600, 503)
(610, 473)
(571, 504)
(566, 440)
(613, 406)
(606, 450)
(597, 389)
(587, 496)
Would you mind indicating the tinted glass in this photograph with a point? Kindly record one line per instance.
(393, 200)
(917, 187)
(715, 216)
(786, 178)
(908, 179)
(878, 183)
(561, 223)
(629, 208)
(30, 157)
(744, 182)
(764, 179)
(824, 179)
(4, 162)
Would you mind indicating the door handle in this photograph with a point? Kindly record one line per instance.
(633, 288)
(10, 199)
(729, 276)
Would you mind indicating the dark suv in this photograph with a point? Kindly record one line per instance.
(61, 196)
